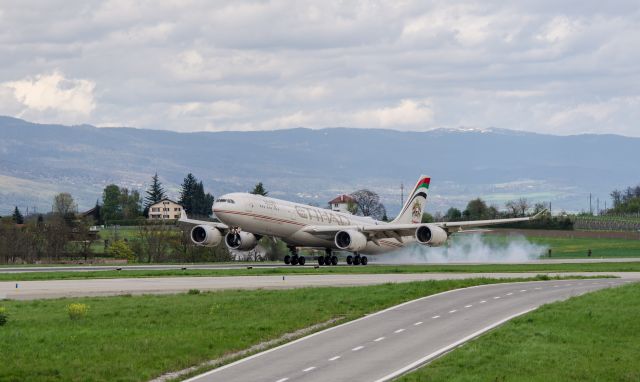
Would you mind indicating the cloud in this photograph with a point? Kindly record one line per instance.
(409, 65)
(408, 113)
(53, 93)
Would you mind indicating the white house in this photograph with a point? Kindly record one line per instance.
(165, 209)
(341, 203)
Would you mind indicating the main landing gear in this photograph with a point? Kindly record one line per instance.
(294, 259)
(328, 259)
(356, 259)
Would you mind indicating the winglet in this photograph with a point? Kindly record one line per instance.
(539, 214)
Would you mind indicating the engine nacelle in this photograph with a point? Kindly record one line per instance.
(350, 240)
(206, 235)
(431, 235)
(241, 241)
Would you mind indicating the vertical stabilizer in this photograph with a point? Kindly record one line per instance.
(412, 210)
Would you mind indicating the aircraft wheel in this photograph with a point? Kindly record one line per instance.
(364, 260)
(301, 260)
(349, 259)
(321, 260)
(356, 260)
(334, 260)
(294, 260)
(287, 259)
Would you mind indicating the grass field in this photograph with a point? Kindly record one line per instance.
(578, 247)
(134, 338)
(377, 269)
(595, 337)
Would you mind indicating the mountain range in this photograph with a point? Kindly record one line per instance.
(313, 166)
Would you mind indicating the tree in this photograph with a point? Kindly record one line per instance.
(453, 214)
(476, 210)
(155, 193)
(17, 216)
(187, 193)
(259, 190)
(368, 203)
(111, 209)
(193, 198)
(427, 218)
(616, 196)
(129, 202)
(63, 204)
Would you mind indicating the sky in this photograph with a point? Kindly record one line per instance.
(559, 67)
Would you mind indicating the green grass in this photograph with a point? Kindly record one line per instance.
(134, 338)
(595, 337)
(563, 247)
(369, 269)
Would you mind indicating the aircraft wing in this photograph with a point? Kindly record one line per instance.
(380, 231)
(184, 219)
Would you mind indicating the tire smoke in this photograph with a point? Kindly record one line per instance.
(469, 248)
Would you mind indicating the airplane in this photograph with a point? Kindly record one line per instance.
(245, 218)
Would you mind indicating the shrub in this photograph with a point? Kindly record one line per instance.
(77, 311)
(121, 250)
(194, 291)
(4, 317)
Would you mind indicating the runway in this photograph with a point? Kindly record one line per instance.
(386, 344)
(310, 262)
(29, 290)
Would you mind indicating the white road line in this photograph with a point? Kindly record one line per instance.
(445, 349)
(555, 286)
(523, 290)
(357, 348)
(453, 311)
(497, 297)
(282, 379)
(334, 358)
(399, 331)
(468, 306)
(435, 316)
(378, 339)
(418, 323)
(483, 301)
(509, 294)
(309, 369)
(538, 288)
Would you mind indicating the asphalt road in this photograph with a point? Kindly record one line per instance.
(389, 343)
(29, 290)
(310, 262)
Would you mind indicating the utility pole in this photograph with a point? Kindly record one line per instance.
(590, 208)
(597, 206)
(401, 194)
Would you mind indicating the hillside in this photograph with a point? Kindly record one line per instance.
(38, 160)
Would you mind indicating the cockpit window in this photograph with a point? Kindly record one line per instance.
(225, 201)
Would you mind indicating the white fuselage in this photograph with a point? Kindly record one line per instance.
(266, 216)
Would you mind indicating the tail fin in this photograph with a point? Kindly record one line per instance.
(412, 210)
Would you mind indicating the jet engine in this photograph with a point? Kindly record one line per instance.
(242, 241)
(431, 235)
(206, 235)
(351, 240)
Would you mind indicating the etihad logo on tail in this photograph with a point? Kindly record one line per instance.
(424, 182)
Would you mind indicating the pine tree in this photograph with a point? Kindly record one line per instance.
(187, 193)
(17, 216)
(259, 190)
(155, 193)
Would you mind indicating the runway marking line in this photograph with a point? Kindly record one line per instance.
(378, 339)
(282, 379)
(453, 311)
(243, 360)
(334, 358)
(468, 306)
(357, 348)
(509, 294)
(309, 369)
(399, 331)
(483, 301)
(497, 297)
(523, 290)
(538, 288)
(418, 323)
(445, 349)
